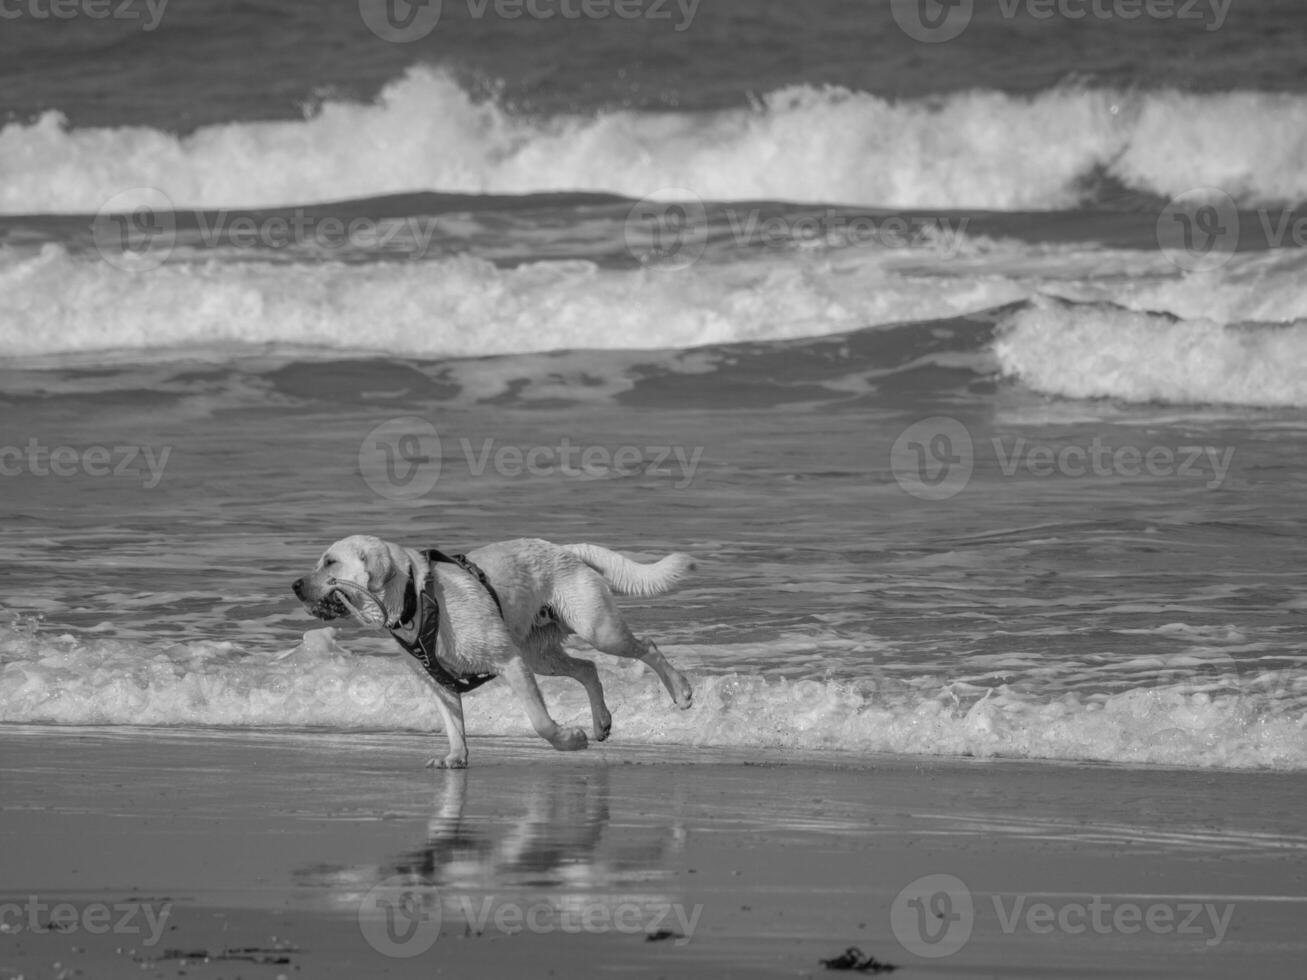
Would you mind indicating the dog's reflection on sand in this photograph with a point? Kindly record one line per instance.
(558, 834)
(552, 844)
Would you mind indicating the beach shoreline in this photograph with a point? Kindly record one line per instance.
(336, 854)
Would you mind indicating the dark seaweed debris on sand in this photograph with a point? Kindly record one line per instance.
(660, 935)
(854, 959)
(268, 957)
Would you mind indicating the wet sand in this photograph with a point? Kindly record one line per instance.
(140, 852)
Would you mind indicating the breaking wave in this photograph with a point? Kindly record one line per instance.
(799, 143)
(63, 680)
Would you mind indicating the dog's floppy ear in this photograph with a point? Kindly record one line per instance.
(395, 575)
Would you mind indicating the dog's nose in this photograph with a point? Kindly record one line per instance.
(298, 588)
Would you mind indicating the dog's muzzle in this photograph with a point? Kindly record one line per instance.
(327, 607)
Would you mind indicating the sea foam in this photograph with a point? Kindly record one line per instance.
(1100, 351)
(60, 303)
(968, 149)
(319, 682)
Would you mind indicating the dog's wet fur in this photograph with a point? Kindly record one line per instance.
(548, 592)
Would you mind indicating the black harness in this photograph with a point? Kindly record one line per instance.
(424, 610)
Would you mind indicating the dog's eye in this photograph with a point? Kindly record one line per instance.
(329, 562)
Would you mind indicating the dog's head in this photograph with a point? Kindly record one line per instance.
(359, 576)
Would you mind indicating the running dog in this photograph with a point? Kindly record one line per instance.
(502, 609)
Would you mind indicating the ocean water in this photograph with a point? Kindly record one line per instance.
(971, 371)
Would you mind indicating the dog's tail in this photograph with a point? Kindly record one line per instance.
(626, 577)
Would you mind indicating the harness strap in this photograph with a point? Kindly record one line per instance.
(424, 609)
(472, 568)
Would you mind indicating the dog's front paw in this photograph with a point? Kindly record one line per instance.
(448, 762)
(603, 726)
(682, 693)
(570, 740)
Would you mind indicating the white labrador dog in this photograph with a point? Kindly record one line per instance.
(463, 629)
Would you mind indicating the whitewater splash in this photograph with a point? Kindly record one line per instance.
(800, 144)
(1101, 351)
(63, 680)
(58, 303)
(1133, 331)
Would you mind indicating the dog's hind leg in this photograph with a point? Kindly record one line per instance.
(588, 609)
(551, 660)
(523, 683)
